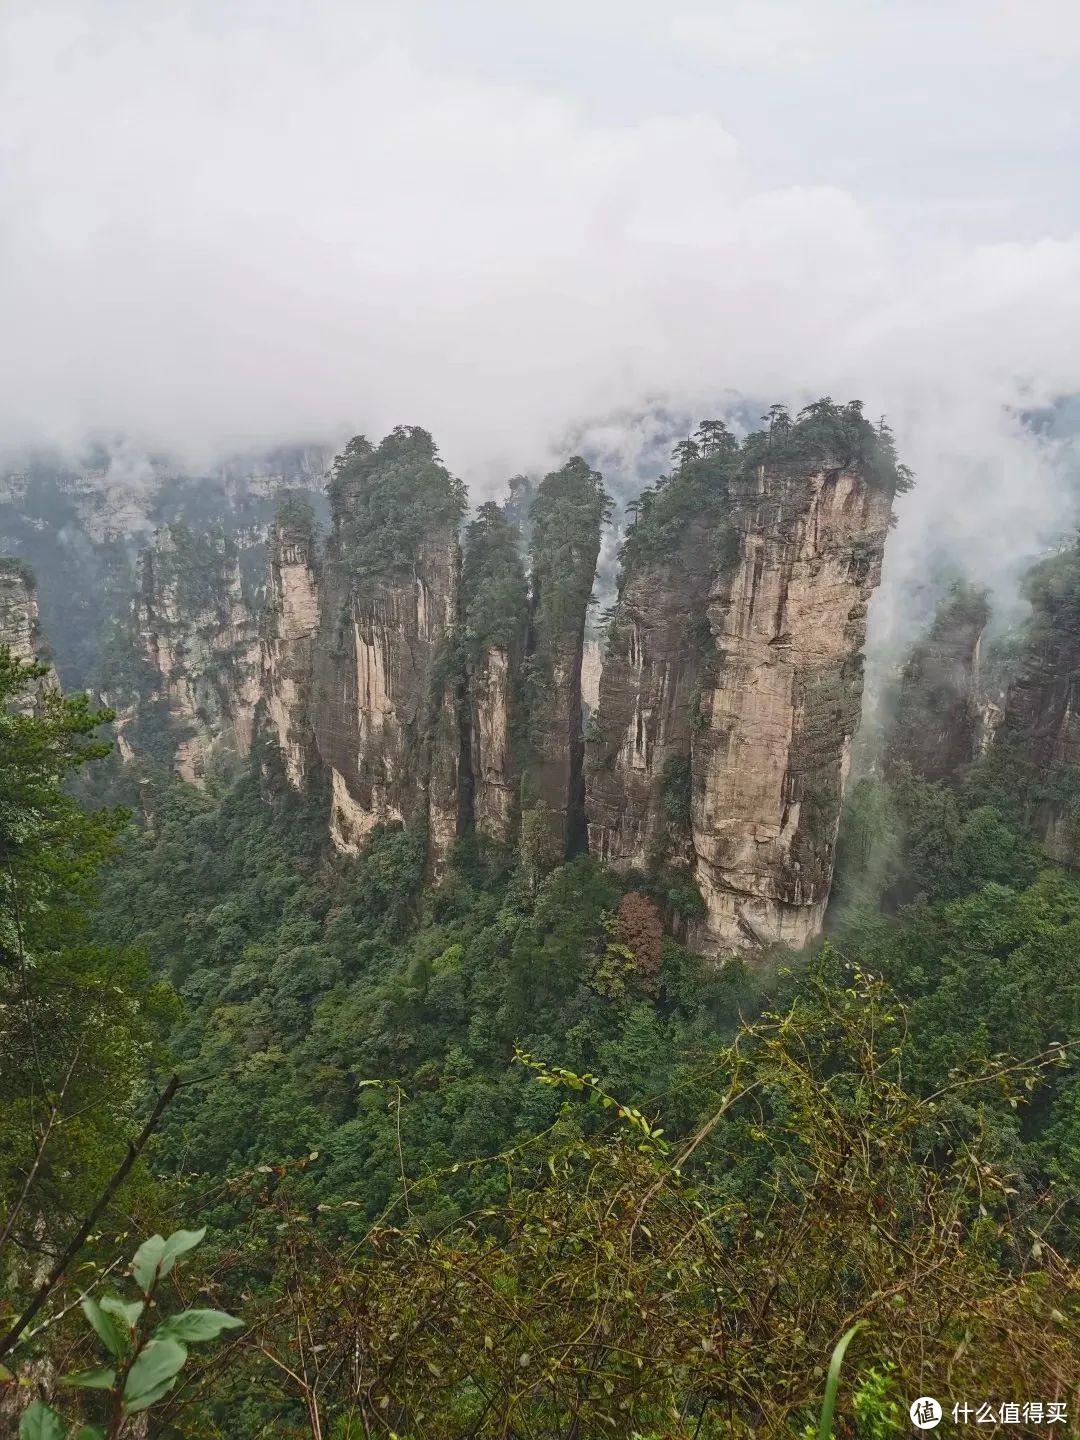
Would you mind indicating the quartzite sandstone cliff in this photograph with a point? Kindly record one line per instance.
(407, 680)
(733, 684)
(197, 640)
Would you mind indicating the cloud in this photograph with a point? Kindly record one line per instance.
(254, 224)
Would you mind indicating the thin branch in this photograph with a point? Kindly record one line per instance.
(77, 1241)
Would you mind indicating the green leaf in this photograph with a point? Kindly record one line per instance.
(177, 1244)
(90, 1432)
(158, 1362)
(105, 1328)
(156, 1257)
(192, 1325)
(832, 1383)
(148, 1397)
(39, 1422)
(126, 1311)
(5, 1375)
(90, 1379)
(144, 1265)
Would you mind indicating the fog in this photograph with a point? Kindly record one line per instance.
(231, 227)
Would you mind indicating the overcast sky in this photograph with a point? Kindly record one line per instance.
(233, 223)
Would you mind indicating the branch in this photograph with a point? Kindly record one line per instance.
(78, 1240)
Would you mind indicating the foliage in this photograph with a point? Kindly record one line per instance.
(143, 1359)
(623, 1283)
(695, 498)
(494, 592)
(832, 436)
(388, 499)
(79, 1019)
(567, 512)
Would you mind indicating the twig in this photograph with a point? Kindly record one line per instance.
(79, 1238)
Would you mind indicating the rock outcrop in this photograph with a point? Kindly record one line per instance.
(197, 642)
(386, 724)
(20, 629)
(289, 632)
(941, 711)
(81, 525)
(566, 517)
(412, 682)
(495, 629)
(733, 681)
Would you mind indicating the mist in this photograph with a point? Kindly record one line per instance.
(228, 228)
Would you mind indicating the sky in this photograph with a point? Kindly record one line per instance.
(226, 225)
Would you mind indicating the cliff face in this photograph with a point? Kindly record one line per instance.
(566, 517)
(495, 622)
(637, 781)
(386, 722)
(446, 689)
(290, 627)
(81, 524)
(19, 625)
(197, 641)
(20, 630)
(942, 712)
(780, 707)
(733, 680)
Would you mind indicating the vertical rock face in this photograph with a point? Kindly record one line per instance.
(19, 627)
(566, 517)
(495, 622)
(637, 781)
(197, 641)
(940, 708)
(290, 627)
(592, 667)
(20, 630)
(386, 721)
(81, 524)
(782, 701)
(733, 680)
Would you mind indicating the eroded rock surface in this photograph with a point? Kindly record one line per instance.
(20, 628)
(732, 684)
(385, 698)
(197, 641)
(290, 628)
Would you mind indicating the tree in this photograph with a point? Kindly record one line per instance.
(625, 1284)
(78, 1019)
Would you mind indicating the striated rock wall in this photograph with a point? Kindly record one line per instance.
(492, 763)
(592, 667)
(732, 683)
(198, 642)
(386, 723)
(781, 700)
(20, 629)
(290, 628)
(377, 694)
(637, 784)
(19, 624)
(566, 517)
(494, 631)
